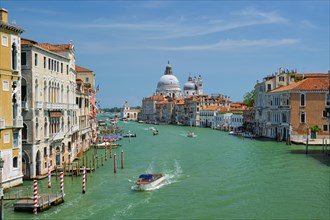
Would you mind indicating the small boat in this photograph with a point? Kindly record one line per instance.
(155, 132)
(107, 145)
(149, 181)
(191, 134)
(129, 135)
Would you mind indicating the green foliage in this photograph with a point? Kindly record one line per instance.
(315, 128)
(249, 98)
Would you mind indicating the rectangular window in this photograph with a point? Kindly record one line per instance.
(324, 114)
(49, 64)
(4, 40)
(325, 127)
(15, 140)
(6, 138)
(302, 117)
(35, 59)
(5, 85)
(23, 59)
(269, 87)
(67, 69)
(61, 67)
(281, 79)
(45, 62)
(87, 79)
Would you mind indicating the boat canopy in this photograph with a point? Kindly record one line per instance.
(146, 176)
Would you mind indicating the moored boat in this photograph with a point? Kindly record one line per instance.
(149, 181)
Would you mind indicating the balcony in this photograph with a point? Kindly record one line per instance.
(51, 106)
(38, 105)
(57, 136)
(25, 105)
(74, 128)
(18, 122)
(86, 130)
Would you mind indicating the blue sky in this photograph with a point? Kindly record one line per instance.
(232, 44)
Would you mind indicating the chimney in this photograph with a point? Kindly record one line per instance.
(3, 15)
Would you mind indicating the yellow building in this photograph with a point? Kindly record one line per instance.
(11, 120)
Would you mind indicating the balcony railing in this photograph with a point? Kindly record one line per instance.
(38, 105)
(18, 122)
(57, 136)
(50, 105)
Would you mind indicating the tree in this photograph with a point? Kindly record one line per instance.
(249, 98)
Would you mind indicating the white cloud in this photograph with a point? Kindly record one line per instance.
(234, 44)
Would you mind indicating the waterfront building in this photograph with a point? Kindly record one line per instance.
(49, 110)
(296, 108)
(11, 120)
(86, 96)
(272, 111)
(149, 107)
(208, 116)
(164, 111)
(130, 114)
(85, 137)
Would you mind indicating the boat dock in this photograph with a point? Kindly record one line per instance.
(44, 202)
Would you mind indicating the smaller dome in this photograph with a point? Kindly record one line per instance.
(189, 86)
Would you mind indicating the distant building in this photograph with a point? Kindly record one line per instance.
(130, 114)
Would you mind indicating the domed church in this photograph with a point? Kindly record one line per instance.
(168, 84)
(194, 86)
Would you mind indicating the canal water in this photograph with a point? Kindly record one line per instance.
(211, 176)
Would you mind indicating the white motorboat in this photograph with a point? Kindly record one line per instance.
(191, 134)
(149, 181)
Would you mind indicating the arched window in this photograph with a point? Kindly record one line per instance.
(14, 56)
(15, 162)
(302, 100)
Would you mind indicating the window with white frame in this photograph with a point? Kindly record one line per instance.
(4, 40)
(5, 85)
(15, 162)
(6, 138)
(302, 99)
(302, 117)
(35, 59)
(325, 128)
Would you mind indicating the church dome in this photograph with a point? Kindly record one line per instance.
(168, 82)
(189, 86)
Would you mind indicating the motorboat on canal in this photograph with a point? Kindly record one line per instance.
(191, 134)
(149, 181)
(129, 135)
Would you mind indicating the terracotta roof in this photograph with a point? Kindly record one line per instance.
(310, 75)
(82, 69)
(157, 97)
(58, 47)
(214, 108)
(27, 41)
(308, 84)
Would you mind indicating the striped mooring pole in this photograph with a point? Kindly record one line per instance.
(35, 197)
(84, 181)
(49, 176)
(61, 183)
